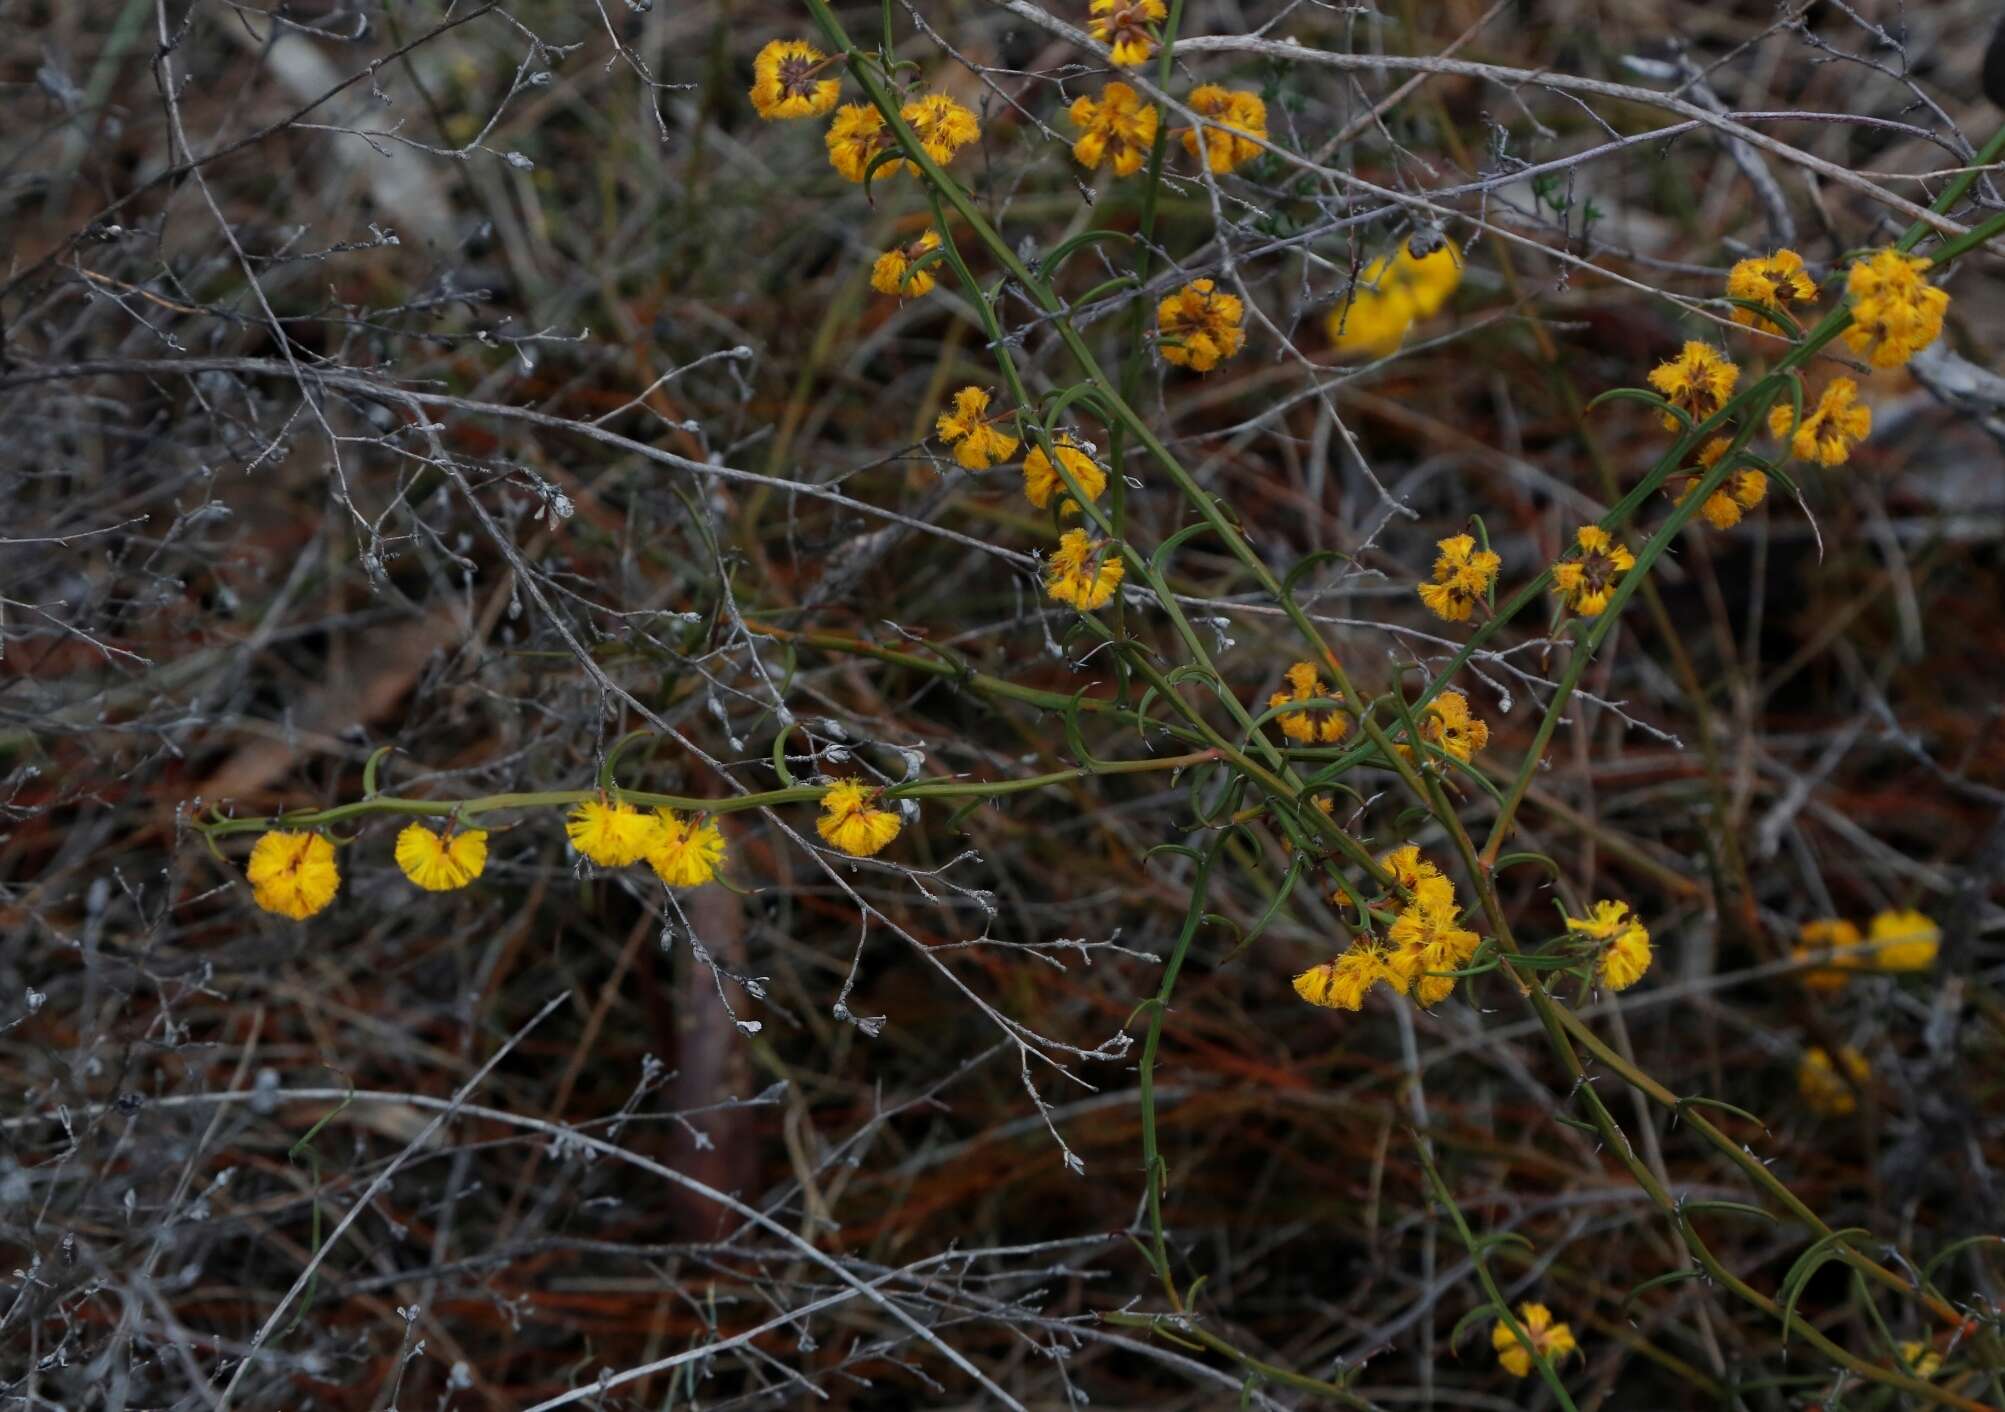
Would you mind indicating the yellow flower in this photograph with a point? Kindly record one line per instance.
(1925, 1361)
(1625, 942)
(1450, 724)
(1742, 490)
(1407, 867)
(1083, 572)
(1325, 726)
(1122, 25)
(1907, 941)
(1895, 312)
(1427, 939)
(1390, 295)
(441, 862)
(1829, 934)
(1342, 984)
(292, 874)
(1463, 576)
(784, 83)
(977, 443)
(893, 272)
(686, 852)
(851, 823)
(1041, 480)
(1552, 1340)
(1199, 326)
(1823, 1089)
(855, 136)
(1699, 380)
(1235, 126)
(1774, 281)
(1831, 429)
(1588, 581)
(1119, 125)
(943, 125)
(610, 834)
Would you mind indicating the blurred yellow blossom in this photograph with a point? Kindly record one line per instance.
(441, 862)
(1907, 941)
(611, 834)
(1200, 326)
(1823, 1089)
(978, 443)
(1235, 124)
(685, 852)
(293, 874)
(1041, 480)
(1774, 281)
(1832, 934)
(1123, 26)
(1324, 726)
(893, 273)
(1118, 125)
(1625, 942)
(851, 821)
(1083, 572)
(1895, 311)
(1830, 430)
(1552, 1340)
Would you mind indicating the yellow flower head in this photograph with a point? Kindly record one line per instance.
(1823, 1088)
(1041, 480)
(1588, 580)
(943, 125)
(1895, 311)
(1318, 726)
(1450, 724)
(441, 862)
(611, 834)
(1428, 939)
(1235, 125)
(1552, 1340)
(893, 272)
(1625, 942)
(1119, 125)
(1407, 867)
(1123, 26)
(855, 136)
(1083, 572)
(1925, 1361)
(1830, 934)
(978, 443)
(1463, 577)
(784, 82)
(1342, 984)
(1774, 281)
(851, 822)
(1830, 430)
(1699, 380)
(686, 852)
(1907, 941)
(1742, 490)
(292, 874)
(1200, 326)
(1390, 295)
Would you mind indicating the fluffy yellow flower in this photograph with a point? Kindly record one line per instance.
(943, 125)
(1199, 326)
(784, 82)
(849, 820)
(893, 273)
(1823, 1089)
(611, 834)
(1118, 125)
(1083, 572)
(1832, 934)
(292, 874)
(855, 136)
(1588, 581)
(1041, 480)
(1463, 576)
(1830, 430)
(686, 852)
(1742, 490)
(1907, 941)
(1450, 724)
(1390, 295)
(1407, 867)
(1625, 942)
(1552, 1340)
(1234, 126)
(977, 442)
(1427, 939)
(1699, 380)
(1123, 26)
(1342, 984)
(1895, 311)
(441, 862)
(1774, 281)
(1319, 726)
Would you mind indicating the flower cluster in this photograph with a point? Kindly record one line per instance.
(1823, 1088)
(1773, 282)
(1826, 433)
(1895, 311)
(1620, 943)
(1233, 128)
(1463, 577)
(683, 851)
(1127, 28)
(1391, 294)
(1588, 579)
(1198, 326)
(1304, 724)
(1424, 945)
(1897, 940)
(1117, 125)
(1699, 381)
